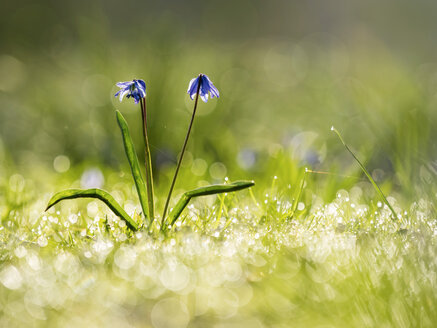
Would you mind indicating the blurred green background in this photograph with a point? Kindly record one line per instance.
(286, 71)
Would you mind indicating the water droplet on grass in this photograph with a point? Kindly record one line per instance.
(72, 218)
(301, 206)
(42, 241)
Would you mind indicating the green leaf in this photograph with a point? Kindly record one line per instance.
(98, 194)
(133, 162)
(204, 191)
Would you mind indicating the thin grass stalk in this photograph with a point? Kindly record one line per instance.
(334, 174)
(373, 182)
(299, 194)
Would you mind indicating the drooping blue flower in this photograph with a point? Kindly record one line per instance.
(135, 89)
(206, 87)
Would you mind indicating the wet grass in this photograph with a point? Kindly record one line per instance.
(250, 259)
(319, 252)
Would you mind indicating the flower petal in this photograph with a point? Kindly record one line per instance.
(123, 92)
(141, 84)
(190, 84)
(210, 87)
(124, 84)
(135, 89)
(214, 91)
(204, 89)
(192, 88)
(141, 87)
(204, 96)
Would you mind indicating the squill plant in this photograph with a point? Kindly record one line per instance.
(136, 89)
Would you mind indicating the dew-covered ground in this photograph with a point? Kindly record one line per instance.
(237, 261)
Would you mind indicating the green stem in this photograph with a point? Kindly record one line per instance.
(181, 157)
(148, 163)
(373, 182)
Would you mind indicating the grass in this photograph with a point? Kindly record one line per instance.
(249, 259)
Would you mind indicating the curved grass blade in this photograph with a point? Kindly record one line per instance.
(204, 191)
(133, 162)
(98, 194)
(373, 182)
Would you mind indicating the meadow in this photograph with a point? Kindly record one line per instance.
(311, 244)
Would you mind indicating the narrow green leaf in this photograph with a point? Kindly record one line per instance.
(204, 191)
(98, 194)
(133, 162)
(373, 182)
(177, 210)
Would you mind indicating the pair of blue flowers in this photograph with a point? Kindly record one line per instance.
(137, 89)
(199, 87)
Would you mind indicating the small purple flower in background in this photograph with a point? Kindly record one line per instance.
(206, 87)
(135, 89)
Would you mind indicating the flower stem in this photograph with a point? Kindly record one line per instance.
(148, 163)
(181, 157)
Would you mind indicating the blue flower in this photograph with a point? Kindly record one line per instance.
(135, 89)
(206, 87)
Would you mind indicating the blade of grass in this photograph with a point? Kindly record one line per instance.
(299, 194)
(222, 203)
(204, 191)
(335, 174)
(223, 208)
(133, 163)
(98, 194)
(373, 182)
(254, 199)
